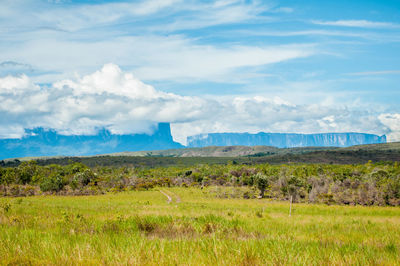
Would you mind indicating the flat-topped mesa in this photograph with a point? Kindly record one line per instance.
(43, 142)
(284, 140)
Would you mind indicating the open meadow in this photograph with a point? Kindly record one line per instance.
(190, 226)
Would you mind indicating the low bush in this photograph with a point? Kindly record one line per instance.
(54, 183)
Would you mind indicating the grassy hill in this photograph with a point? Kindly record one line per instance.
(256, 151)
(376, 147)
(224, 151)
(212, 151)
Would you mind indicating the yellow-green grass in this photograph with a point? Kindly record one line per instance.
(143, 228)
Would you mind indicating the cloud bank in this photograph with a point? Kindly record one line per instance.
(108, 98)
(118, 101)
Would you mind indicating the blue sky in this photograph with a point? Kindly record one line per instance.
(218, 66)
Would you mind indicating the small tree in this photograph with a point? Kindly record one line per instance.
(82, 179)
(293, 186)
(53, 183)
(262, 183)
(26, 171)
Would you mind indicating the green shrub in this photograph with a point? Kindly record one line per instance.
(26, 171)
(82, 179)
(262, 183)
(53, 183)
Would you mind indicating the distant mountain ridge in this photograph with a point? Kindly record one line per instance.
(248, 155)
(284, 140)
(42, 142)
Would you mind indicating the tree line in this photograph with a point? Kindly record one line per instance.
(357, 184)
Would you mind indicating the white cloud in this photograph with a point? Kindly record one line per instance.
(198, 62)
(357, 24)
(150, 58)
(108, 98)
(207, 14)
(285, 33)
(13, 85)
(392, 121)
(76, 17)
(170, 41)
(146, 37)
(262, 114)
(118, 101)
(32, 14)
(360, 34)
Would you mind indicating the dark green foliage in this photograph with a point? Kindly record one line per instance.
(53, 183)
(358, 184)
(8, 176)
(188, 173)
(325, 157)
(26, 171)
(262, 183)
(82, 178)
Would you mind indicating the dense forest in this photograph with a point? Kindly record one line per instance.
(361, 184)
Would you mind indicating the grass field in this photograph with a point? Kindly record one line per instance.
(195, 228)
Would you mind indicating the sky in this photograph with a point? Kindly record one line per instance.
(204, 66)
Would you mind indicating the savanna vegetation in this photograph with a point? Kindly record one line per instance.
(363, 184)
(200, 214)
(193, 227)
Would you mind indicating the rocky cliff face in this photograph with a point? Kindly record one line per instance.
(284, 140)
(41, 142)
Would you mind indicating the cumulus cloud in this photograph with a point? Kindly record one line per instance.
(116, 100)
(15, 85)
(262, 114)
(108, 98)
(392, 121)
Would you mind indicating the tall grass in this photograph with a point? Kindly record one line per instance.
(142, 228)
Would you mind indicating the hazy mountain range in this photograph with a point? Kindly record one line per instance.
(284, 140)
(42, 142)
